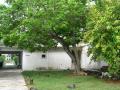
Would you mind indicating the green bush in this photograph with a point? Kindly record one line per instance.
(15, 58)
(2, 58)
(103, 33)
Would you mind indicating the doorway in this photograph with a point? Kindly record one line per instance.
(10, 59)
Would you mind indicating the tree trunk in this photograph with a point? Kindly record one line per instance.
(76, 67)
(74, 52)
(77, 59)
(75, 55)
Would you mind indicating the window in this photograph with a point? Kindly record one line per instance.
(43, 55)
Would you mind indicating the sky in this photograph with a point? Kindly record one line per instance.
(2, 1)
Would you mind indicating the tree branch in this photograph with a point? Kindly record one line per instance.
(61, 41)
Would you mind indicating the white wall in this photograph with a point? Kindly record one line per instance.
(87, 63)
(32, 61)
(56, 59)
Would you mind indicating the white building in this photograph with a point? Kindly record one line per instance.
(53, 59)
(56, 59)
(7, 57)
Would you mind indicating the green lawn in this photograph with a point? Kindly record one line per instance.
(61, 79)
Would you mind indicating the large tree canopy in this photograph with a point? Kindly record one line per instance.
(42, 24)
(103, 33)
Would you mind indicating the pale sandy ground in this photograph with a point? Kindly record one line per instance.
(12, 80)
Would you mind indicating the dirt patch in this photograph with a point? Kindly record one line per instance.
(78, 74)
(113, 81)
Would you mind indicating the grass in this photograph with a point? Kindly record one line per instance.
(59, 80)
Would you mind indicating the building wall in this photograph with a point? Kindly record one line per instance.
(7, 56)
(89, 64)
(56, 59)
(32, 61)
